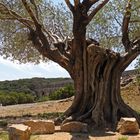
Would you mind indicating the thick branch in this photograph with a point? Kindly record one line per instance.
(30, 12)
(130, 56)
(76, 2)
(35, 6)
(98, 8)
(70, 6)
(39, 27)
(125, 27)
(88, 3)
(53, 55)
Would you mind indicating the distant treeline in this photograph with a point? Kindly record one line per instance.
(22, 91)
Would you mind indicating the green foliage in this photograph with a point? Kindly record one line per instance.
(62, 93)
(105, 27)
(4, 136)
(28, 90)
(138, 112)
(51, 115)
(3, 123)
(28, 85)
(15, 36)
(42, 99)
(123, 138)
(15, 98)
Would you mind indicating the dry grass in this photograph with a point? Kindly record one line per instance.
(131, 96)
(34, 109)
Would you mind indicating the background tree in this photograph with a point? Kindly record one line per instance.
(95, 69)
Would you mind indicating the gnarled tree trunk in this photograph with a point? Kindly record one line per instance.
(101, 103)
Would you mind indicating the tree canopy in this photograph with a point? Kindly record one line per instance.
(57, 19)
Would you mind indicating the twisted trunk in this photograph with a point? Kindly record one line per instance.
(100, 104)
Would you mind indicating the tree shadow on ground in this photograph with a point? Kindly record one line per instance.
(86, 136)
(80, 136)
(101, 133)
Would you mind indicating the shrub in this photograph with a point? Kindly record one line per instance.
(42, 99)
(15, 98)
(123, 138)
(50, 115)
(3, 123)
(62, 93)
(4, 136)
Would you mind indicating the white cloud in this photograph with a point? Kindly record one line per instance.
(10, 70)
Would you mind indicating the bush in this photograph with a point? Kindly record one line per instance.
(50, 115)
(123, 138)
(15, 98)
(4, 136)
(42, 99)
(3, 123)
(62, 93)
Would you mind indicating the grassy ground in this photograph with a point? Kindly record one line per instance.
(4, 136)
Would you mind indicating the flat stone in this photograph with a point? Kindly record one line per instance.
(74, 127)
(41, 126)
(19, 132)
(128, 126)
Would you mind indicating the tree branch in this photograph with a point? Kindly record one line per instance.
(125, 27)
(53, 55)
(35, 6)
(98, 8)
(128, 57)
(30, 12)
(38, 37)
(70, 6)
(12, 15)
(44, 47)
(88, 3)
(76, 3)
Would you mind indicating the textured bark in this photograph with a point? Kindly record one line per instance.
(100, 104)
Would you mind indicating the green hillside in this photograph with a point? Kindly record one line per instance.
(29, 90)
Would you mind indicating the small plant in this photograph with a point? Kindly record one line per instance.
(3, 123)
(51, 115)
(43, 98)
(123, 138)
(4, 136)
(62, 93)
(138, 112)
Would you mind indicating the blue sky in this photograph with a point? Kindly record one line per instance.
(11, 71)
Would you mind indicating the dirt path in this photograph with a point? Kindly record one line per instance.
(35, 108)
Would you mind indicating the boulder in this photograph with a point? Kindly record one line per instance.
(74, 127)
(128, 126)
(41, 126)
(19, 132)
